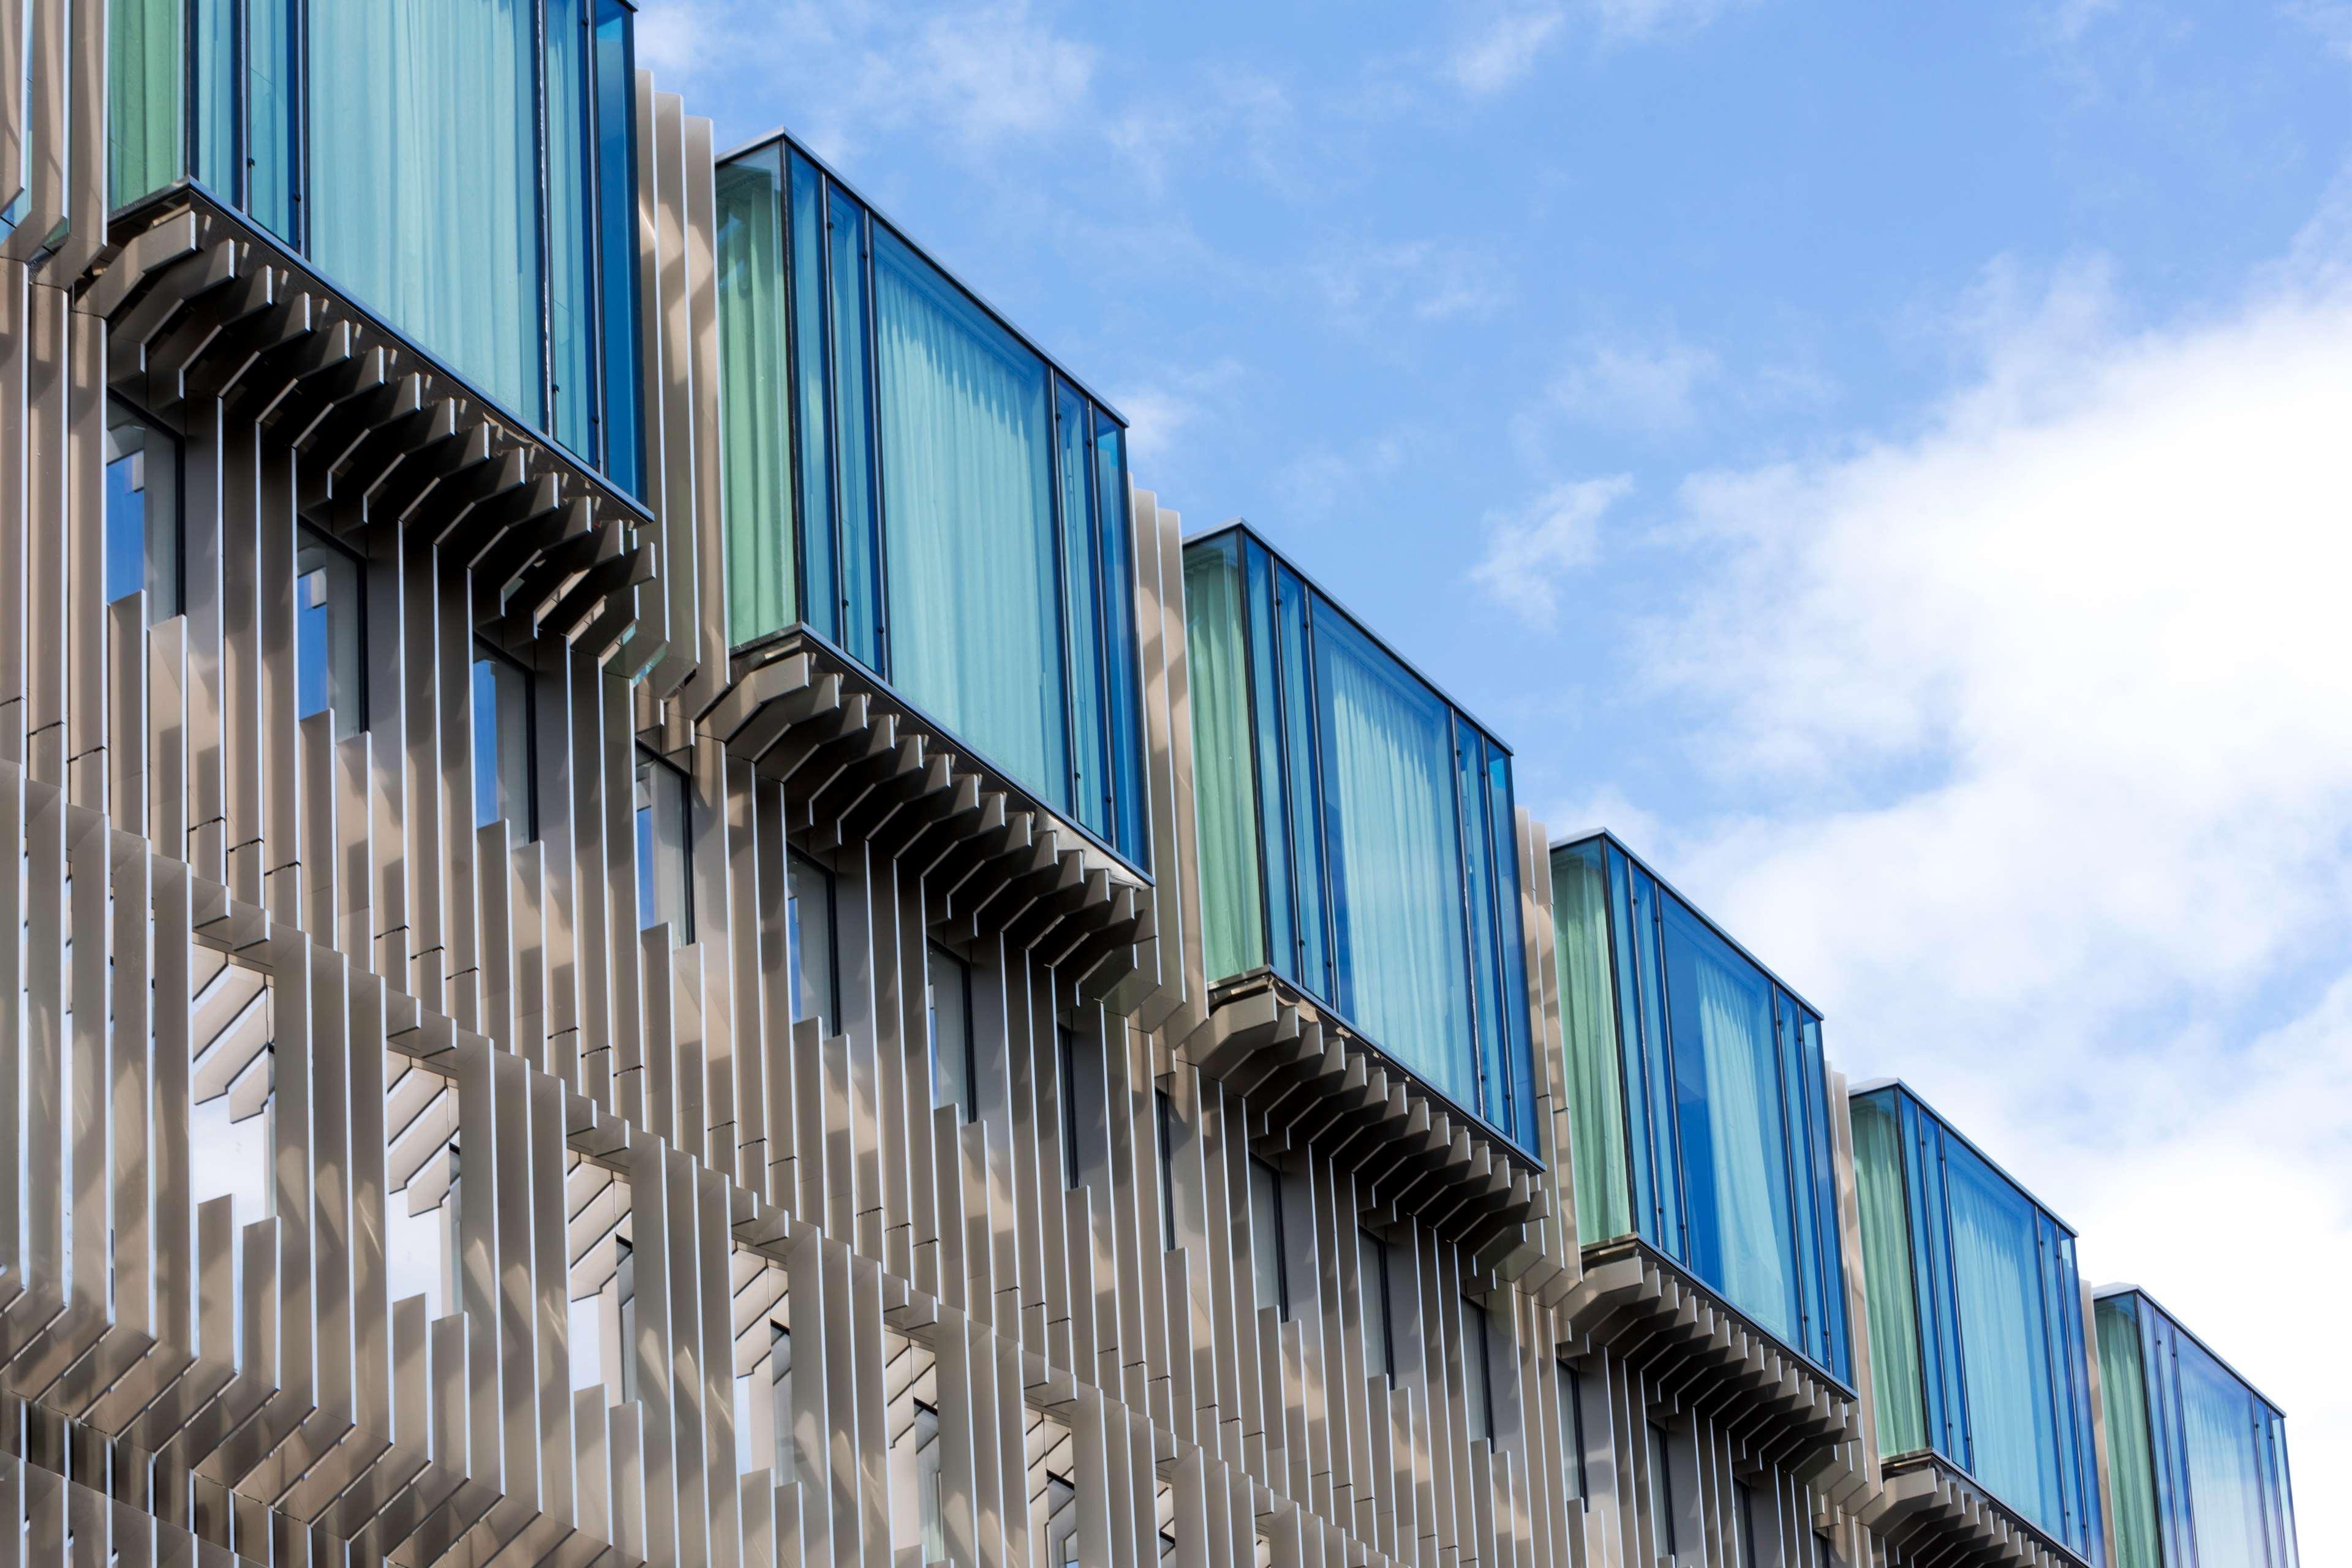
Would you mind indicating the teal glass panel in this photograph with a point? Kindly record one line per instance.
(621, 437)
(1085, 587)
(1395, 857)
(2131, 1459)
(217, 152)
(1731, 1138)
(1831, 1331)
(1803, 1132)
(1122, 670)
(861, 588)
(754, 399)
(144, 82)
(812, 406)
(1588, 1017)
(1284, 890)
(1224, 795)
(570, 229)
(1889, 1299)
(973, 582)
(424, 189)
(273, 42)
(1649, 1068)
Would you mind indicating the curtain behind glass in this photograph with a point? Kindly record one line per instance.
(1997, 1298)
(143, 128)
(1225, 793)
(2225, 1478)
(1744, 1231)
(754, 437)
(1588, 1017)
(1395, 857)
(2131, 1458)
(423, 190)
(974, 616)
(1889, 1293)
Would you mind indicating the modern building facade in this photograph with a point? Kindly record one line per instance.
(659, 917)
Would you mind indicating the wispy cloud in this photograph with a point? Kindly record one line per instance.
(1531, 551)
(1630, 20)
(2043, 717)
(1650, 389)
(1370, 286)
(1504, 51)
(982, 74)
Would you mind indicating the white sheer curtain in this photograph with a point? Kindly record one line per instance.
(1743, 1121)
(2225, 1479)
(1225, 793)
(424, 178)
(975, 636)
(1398, 859)
(1997, 1291)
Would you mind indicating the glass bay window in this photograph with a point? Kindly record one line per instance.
(464, 169)
(907, 478)
(2196, 1456)
(1978, 1352)
(1355, 831)
(1698, 1098)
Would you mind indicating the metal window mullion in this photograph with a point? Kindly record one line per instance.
(1789, 1174)
(1469, 945)
(1315, 772)
(1658, 897)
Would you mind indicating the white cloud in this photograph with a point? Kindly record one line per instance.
(1530, 552)
(981, 73)
(1647, 389)
(1371, 287)
(1505, 51)
(2331, 20)
(1629, 20)
(2046, 715)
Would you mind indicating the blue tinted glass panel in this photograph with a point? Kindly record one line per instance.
(219, 154)
(1122, 671)
(1512, 1038)
(1479, 909)
(812, 408)
(1391, 832)
(1727, 1101)
(1998, 1303)
(861, 585)
(1084, 590)
(1274, 784)
(1303, 767)
(620, 439)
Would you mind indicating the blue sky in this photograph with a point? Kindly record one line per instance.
(1887, 461)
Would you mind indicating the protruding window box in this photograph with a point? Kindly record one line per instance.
(1703, 1139)
(468, 188)
(1360, 868)
(2196, 1457)
(1979, 1374)
(200, 305)
(932, 581)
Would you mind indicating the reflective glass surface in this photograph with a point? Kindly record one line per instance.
(907, 478)
(1976, 1317)
(1356, 832)
(1698, 1100)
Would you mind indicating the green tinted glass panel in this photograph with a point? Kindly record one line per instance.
(1588, 1017)
(2131, 1461)
(1223, 783)
(754, 394)
(571, 250)
(1887, 1292)
(143, 88)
